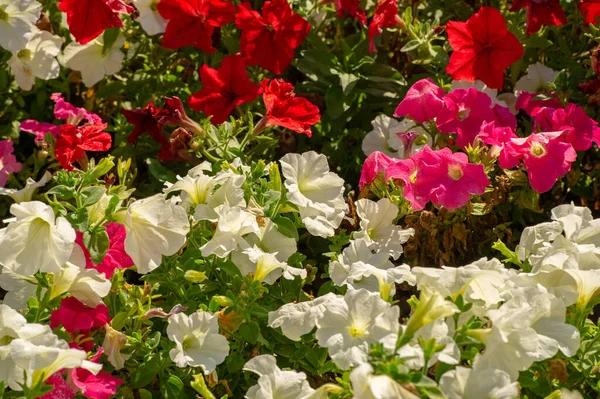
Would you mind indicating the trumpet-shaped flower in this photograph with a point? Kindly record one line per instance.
(150, 19)
(87, 19)
(465, 383)
(26, 193)
(18, 289)
(17, 19)
(315, 190)
(154, 227)
(377, 226)
(537, 78)
(112, 345)
(386, 15)
(74, 141)
(546, 13)
(76, 317)
(423, 101)
(233, 223)
(93, 61)
(197, 341)
(368, 386)
(413, 354)
(36, 240)
(37, 59)
(266, 267)
(396, 139)
(431, 307)
(66, 111)
(115, 257)
(274, 383)
(578, 128)
(8, 162)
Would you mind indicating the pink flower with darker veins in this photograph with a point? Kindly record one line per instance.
(546, 158)
(464, 112)
(422, 102)
(8, 162)
(449, 178)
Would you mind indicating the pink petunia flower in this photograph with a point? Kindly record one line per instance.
(578, 127)
(65, 111)
(76, 317)
(500, 140)
(422, 102)
(546, 158)
(528, 103)
(376, 163)
(406, 170)
(464, 112)
(115, 258)
(449, 178)
(8, 162)
(100, 386)
(39, 129)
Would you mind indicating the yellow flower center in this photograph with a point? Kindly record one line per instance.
(455, 171)
(538, 150)
(463, 114)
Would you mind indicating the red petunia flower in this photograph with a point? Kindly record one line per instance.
(269, 40)
(192, 22)
(483, 48)
(144, 120)
(224, 89)
(74, 141)
(115, 258)
(352, 8)
(545, 12)
(87, 19)
(591, 10)
(386, 15)
(76, 317)
(285, 109)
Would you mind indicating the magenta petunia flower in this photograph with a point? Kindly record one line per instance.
(500, 140)
(39, 129)
(115, 258)
(100, 386)
(76, 317)
(464, 112)
(532, 104)
(8, 162)
(376, 163)
(546, 158)
(578, 127)
(449, 178)
(422, 102)
(65, 111)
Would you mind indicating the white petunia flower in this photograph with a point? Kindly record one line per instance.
(150, 18)
(347, 328)
(359, 267)
(588, 284)
(388, 136)
(274, 383)
(26, 194)
(267, 268)
(197, 341)
(413, 355)
(558, 282)
(91, 60)
(37, 240)
(112, 345)
(316, 191)
(195, 189)
(368, 386)
(18, 288)
(431, 307)
(17, 19)
(37, 59)
(535, 237)
(578, 224)
(465, 383)
(377, 226)
(233, 224)
(298, 319)
(537, 78)
(155, 227)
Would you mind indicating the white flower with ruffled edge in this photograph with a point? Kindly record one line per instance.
(26, 193)
(274, 383)
(465, 383)
(37, 59)
(537, 78)
(368, 386)
(233, 224)
(389, 137)
(150, 19)
(17, 19)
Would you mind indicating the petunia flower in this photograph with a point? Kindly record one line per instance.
(74, 141)
(546, 158)
(269, 40)
(466, 383)
(286, 110)
(17, 19)
(376, 164)
(464, 112)
(197, 341)
(531, 104)
(274, 382)
(579, 129)
(8, 162)
(223, 89)
(112, 345)
(449, 178)
(39, 129)
(483, 48)
(267, 268)
(546, 13)
(192, 22)
(60, 388)
(115, 258)
(146, 120)
(352, 8)
(87, 19)
(422, 102)
(75, 316)
(101, 385)
(48, 250)
(500, 140)
(386, 15)
(536, 79)
(73, 115)
(233, 223)
(150, 19)
(37, 59)
(591, 10)
(366, 385)
(93, 61)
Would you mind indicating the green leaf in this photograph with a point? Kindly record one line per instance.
(511, 256)
(411, 45)
(97, 244)
(80, 220)
(250, 331)
(62, 192)
(145, 394)
(91, 195)
(145, 374)
(118, 321)
(286, 227)
(161, 173)
(110, 37)
(172, 387)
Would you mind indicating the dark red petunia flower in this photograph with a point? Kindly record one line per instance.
(76, 317)
(144, 120)
(74, 141)
(591, 10)
(352, 8)
(386, 15)
(192, 22)
(115, 258)
(483, 48)
(269, 40)
(224, 89)
(87, 19)
(541, 12)
(285, 109)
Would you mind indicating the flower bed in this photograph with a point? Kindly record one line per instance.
(308, 200)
